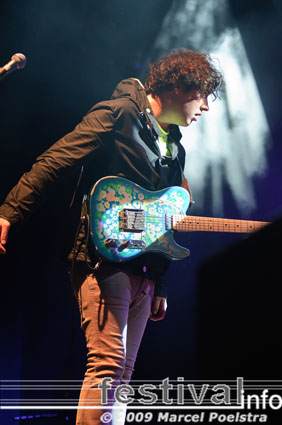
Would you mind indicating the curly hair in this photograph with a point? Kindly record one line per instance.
(193, 69)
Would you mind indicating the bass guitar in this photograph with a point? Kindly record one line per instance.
(127, 220)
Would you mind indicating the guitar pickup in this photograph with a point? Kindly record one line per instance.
(132, 220)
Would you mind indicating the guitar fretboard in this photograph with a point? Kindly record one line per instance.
(209, 224)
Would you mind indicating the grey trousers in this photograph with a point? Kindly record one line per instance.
(115, 306)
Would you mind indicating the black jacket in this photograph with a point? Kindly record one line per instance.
(118, 138)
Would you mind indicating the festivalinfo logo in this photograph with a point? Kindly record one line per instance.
(181, 393)
(152, 401)
(249, 401)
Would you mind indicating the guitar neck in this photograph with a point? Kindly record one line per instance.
(209, 224)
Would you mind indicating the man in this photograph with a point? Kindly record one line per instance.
(134, 135)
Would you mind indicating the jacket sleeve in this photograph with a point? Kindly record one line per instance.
(160, 278)
(62, 158)
(161, 287)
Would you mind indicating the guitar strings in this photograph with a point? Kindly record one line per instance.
(205, 224)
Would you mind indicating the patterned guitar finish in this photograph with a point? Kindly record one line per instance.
(127, 220)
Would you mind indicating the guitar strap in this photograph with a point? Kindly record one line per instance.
(76, 187)
(186, 186)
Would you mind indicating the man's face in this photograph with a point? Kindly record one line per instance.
(182, 107)
(190, 105)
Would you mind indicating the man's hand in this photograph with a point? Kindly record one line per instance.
(4, 230)
(158, 309)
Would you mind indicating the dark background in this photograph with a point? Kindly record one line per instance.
(77, 52)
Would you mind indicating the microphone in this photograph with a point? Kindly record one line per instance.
(18, 61)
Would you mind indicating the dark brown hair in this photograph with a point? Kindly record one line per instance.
(193, 69)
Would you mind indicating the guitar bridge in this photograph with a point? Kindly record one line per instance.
(122, 244)
(132, 220)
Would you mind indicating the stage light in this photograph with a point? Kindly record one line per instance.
(228, 144)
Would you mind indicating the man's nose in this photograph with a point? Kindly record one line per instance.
(204, 105)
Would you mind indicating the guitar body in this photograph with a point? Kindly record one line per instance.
(127, 220)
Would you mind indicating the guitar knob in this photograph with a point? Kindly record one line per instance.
(110, 243)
